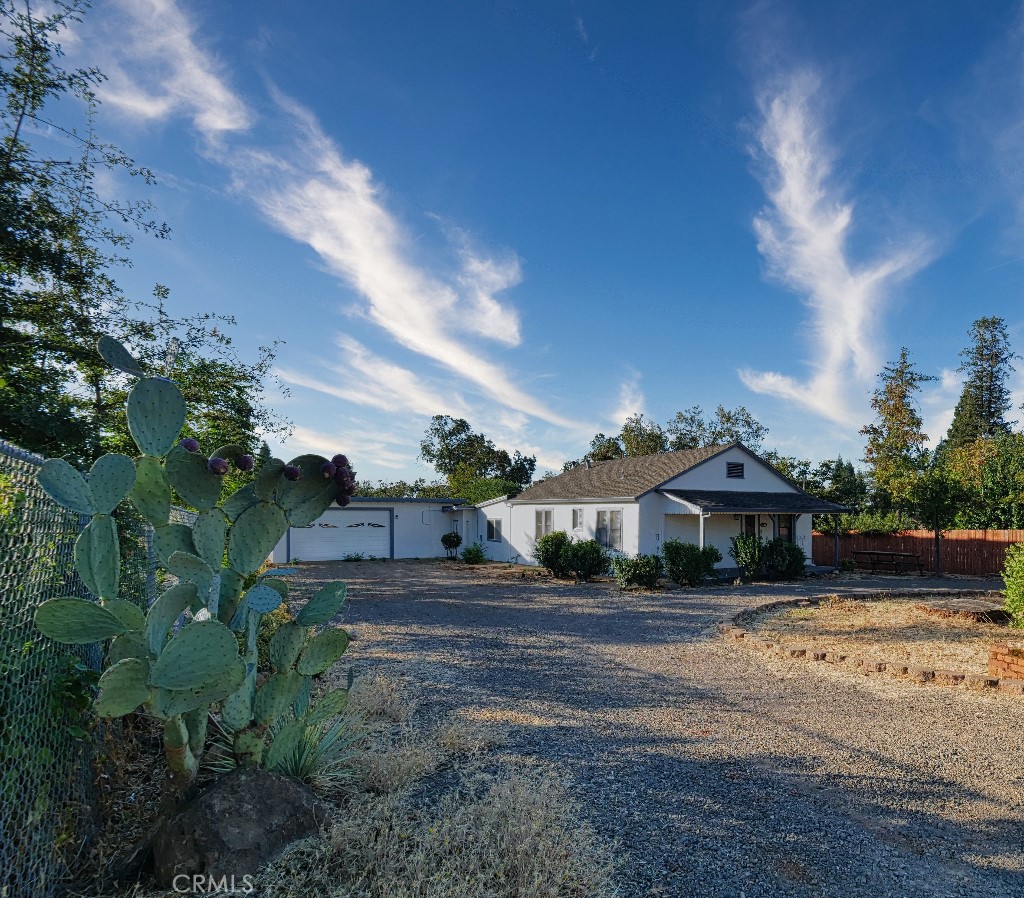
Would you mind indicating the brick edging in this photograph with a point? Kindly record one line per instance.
(733, 629)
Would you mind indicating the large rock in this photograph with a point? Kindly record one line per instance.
(239, 823)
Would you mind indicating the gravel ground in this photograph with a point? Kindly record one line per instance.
(719, 771)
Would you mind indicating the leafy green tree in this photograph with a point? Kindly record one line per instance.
(800, 470)
(895, 450)
(639, 437)
(451, 445)
(985, 399)
(990, 474)
(692, 429)
(402, 489)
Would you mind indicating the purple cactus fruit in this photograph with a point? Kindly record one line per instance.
(343, 500)
(244, 463)
(189, 445)
(218, 466)
(291, 472)
(328, 469)
(340, 461)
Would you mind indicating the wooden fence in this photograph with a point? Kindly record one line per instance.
(978, 552)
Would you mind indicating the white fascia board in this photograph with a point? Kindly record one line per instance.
(691, 508)
(617, 500)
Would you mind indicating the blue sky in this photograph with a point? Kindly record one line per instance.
(546, 216)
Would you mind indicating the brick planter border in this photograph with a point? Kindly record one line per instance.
(868, 666)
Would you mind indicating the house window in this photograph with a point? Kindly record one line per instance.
(577, 519)
(494, 530)
(785, 525)
(750, 525)
(542, 518)
(609, 529)
(734, 469)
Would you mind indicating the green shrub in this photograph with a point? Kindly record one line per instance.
(1013, 576)
(451, 542)
(548, 552)
(783, 560)
(474, 554)
(643, 570)
(688, 564)
(747, 552)
(584, 559)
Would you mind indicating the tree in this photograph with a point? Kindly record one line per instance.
(895, 450)
(985, 398)
(401, 489)
(692, 429)
(990, 474)
(58, 236)
(461, 455)
(639, 437)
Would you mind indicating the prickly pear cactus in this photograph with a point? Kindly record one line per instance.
(178, 673)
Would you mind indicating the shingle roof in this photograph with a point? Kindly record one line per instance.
(750, 502)
(620, 477)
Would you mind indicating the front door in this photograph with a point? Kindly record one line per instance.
(750, 525)
(786, 527)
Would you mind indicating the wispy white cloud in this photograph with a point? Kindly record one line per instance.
(310, 192)
(631, 399)
(803, 234)
(365, 378)
(354, 443)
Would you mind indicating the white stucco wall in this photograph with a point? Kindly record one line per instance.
(520, 526)
(710, 475)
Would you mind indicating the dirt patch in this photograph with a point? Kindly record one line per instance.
(891, 630)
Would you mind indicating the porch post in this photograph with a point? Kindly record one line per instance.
(835, 541)
(700, 541)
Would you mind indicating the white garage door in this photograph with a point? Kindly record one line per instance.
(342, 532)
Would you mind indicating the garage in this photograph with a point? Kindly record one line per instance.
(340, 532)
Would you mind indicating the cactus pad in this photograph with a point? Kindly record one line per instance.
(156, 414)
(132, 616)
(321, 652)
(262, 599)
(323, 606)
(127, 645)
(275, 697)
(303, 697)
(65, 485)
(164, 613)
(330, 705)
(230, 590)
(170, 539)
(253, 537)
(239, 501)
(286, 645)
(192, 479)
(110, 480)
(267, 479)
(151, 495)
(115, 355)
(180, 701)
(277, 584)
(305, 499)
(201, 653)
(209, 531)
(193, 569)
(98, 557)
(122, 688)
(77, 621)
(236, 709)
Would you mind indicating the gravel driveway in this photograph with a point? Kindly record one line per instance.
(719, 771)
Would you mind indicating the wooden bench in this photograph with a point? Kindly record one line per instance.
(894, 562)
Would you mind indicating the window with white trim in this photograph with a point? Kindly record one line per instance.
(609, 529)
(577, 519)
(494, 530)
(542, 522)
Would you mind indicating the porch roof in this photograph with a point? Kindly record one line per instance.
(736, 502)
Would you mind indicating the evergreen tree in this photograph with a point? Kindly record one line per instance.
(985, 398)
(895, 450)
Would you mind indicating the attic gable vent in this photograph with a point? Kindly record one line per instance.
(734, 469)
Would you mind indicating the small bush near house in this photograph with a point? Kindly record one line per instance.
(643, 571)
(585, 559)
(747, 552)
(688, 564)
(1013, 577)
(353, 556)
(548, 552)
(451, 542)
(474, 554)
(783, 560)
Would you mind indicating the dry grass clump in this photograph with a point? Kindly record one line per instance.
(375, 697)
(508, 835)
(890, 630)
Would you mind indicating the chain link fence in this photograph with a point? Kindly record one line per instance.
(47, 798)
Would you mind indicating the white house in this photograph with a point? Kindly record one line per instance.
(631, 505)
